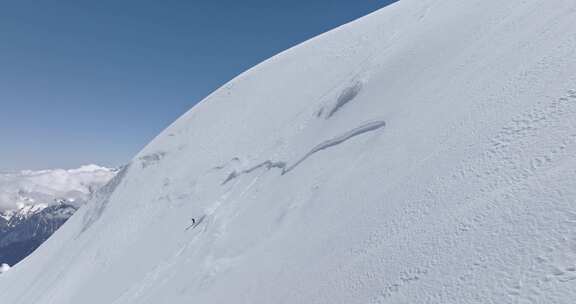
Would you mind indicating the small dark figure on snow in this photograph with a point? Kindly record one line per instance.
(193, 223)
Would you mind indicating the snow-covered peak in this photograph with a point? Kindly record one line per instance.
(4, 268)
(90, 169)
(23, 211)
(33, 189)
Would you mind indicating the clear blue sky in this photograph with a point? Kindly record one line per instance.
(94, 81)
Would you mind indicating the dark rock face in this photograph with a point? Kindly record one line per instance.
(23, 233)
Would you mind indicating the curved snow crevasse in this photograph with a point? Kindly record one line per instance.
(367, 127)
(349, 94)
(268, 164)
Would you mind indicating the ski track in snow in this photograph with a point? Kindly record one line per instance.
(268, 164)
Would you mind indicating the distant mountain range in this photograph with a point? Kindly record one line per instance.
(34, 204)
(29, 228)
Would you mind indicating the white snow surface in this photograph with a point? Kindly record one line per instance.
(425, 153)
(4, 268)
(34, 190)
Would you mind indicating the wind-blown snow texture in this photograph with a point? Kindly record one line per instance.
(462, 190)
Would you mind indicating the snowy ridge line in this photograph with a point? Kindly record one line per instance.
(268, 164)
(101, 199)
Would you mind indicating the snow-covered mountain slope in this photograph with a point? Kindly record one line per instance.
(425, 153)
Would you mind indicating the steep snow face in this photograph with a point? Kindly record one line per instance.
(28, 191)
(423, 154)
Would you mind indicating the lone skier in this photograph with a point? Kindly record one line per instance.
(193, 223)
